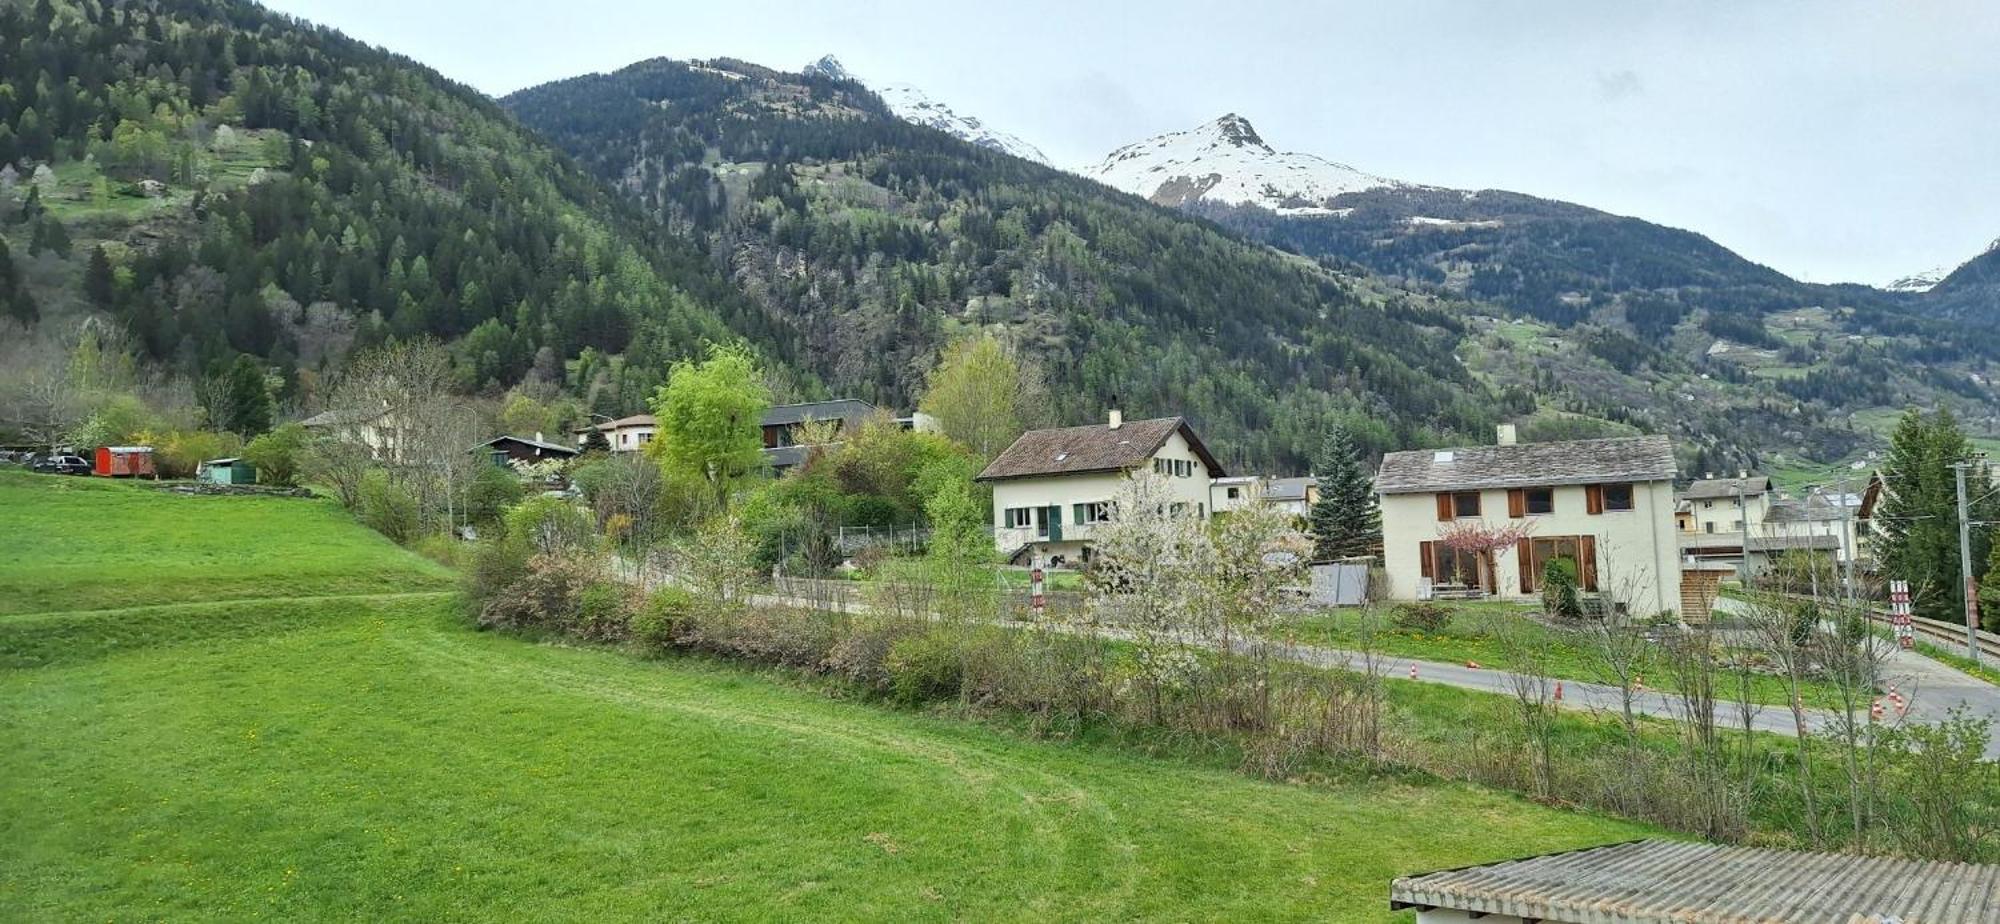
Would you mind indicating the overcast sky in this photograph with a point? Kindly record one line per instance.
(1835, 141)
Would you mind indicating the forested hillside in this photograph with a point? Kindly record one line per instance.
(227, 181)
(1618, 318)
(874, 241)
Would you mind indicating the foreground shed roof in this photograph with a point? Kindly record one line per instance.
(1527, 465)
(1093, 448)
(1668, 882)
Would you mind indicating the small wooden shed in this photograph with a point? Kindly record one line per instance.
(232, 470)
(123, 461)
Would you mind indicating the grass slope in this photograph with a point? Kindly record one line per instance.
(372, 758)
(87, 543)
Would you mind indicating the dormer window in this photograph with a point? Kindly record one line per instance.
(1444, 455)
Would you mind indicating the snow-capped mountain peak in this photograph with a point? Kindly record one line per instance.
(1920, 282)
(829, 67)
(1227, 161)
(914, 105)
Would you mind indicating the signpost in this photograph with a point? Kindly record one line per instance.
(1899, 613)
(1036, 599)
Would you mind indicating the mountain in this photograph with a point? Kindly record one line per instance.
(1919, 282)
(873, 241)
(1971, 292)
(1601, 316)
(1226, 162)
(913, 105)
(917, 107)
(223, 180)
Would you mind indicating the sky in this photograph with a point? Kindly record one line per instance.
(1837, 141)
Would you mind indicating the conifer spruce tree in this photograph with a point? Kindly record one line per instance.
(1347, 519)
(1919, 514)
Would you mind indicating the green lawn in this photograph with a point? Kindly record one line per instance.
(89, 543)
(311, 756)
(1470, 637)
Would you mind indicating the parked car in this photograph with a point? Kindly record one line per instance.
(62, 465)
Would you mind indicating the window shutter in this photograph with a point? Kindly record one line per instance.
(1444, 508)
(1593, 499)
(1517, 502)
(1586, 549)
(1524, 549)
(1426, 554)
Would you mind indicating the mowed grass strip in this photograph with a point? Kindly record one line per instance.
(397, 766)
(89, 543)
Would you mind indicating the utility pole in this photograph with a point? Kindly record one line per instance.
(1971, 589)
(1850, 543)
(1743, 528)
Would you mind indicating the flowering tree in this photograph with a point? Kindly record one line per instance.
(1485, 540)
(1150, 579)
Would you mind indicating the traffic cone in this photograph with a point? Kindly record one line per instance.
(1413, 670)
(1472, 664)
(1875, 711)
(1559, 691)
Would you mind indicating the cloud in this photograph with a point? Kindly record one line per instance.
(1614, 86)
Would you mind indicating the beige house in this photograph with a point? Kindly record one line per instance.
(1291, 495)
(1052, 487)
(626, 434)
(1725, 506)
(1605, 505)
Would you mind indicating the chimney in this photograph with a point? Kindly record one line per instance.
(538, 436)
(1742, 474)
(1505, 435)
(1117, 417)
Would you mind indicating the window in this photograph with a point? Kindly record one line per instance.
(1235, 493)
(1465, 504)
(1095, 512)
(1018, 517)
(645, 438)
(1540, 500)
(1708, 505)
(1711, 525)
(1617, 497)
(1456, 567)
(1177, 509)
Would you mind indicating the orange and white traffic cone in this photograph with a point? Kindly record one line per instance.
(1413, 670)
(1472, 664)
(1559, 691)
(1875, 711)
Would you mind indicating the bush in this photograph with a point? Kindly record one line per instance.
(387, 507)
(862, 656)
(546, 596)
(496, 564)
(602, 613)
(551, 526)
(493, 490)
(180, 453)
(1560, 599)
(659, 622)
(277, 454)
(925, 667)
(1421, 617)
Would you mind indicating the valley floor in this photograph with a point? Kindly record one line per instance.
(371, 757)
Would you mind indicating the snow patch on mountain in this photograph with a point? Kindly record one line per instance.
(1920, 282)
(1226, 161)
(913, 105)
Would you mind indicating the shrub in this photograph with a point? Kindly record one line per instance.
(277, 454)
(180, 453)
(547, 595)
(602, 612)
(659, 622)
(925, 667)
(1560, 599)
(493, 490)
(862, 655)
(387, 507)
(781, 637)
(1421, 617)
(496, 564)
(551, 526)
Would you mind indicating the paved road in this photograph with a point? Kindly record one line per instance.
(1929, 688)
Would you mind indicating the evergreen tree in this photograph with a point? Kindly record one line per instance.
(97, 277)
(1919, 513)
(1347, 519)
(237, 397)
(14, 300)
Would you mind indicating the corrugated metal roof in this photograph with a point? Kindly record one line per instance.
(1668, 882)
(1527, 465)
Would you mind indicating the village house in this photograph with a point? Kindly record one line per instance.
(1741, 519)
(387, 436)
(1291, 495)
(788, 429)
(625, 434)
(1606, 505)
(507, 450)
(1052, 487)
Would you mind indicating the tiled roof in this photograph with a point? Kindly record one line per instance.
(1629, 458)
(1093, 448)
(1670, 882)
(1718, 488)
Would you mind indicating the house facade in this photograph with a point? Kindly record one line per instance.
(1605, 505)
(510, 449)
(1725, 506)
(1746, 522)
(1291, 495)
(625, 434)
(1052, 488)
(789, 430)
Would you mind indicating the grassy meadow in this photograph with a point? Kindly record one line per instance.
(345, 746)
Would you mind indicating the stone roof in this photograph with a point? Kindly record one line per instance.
(636, 420)
(1719, 488)
(1093, 448)
(1671, 882)
(1288, 489)
(1527, 465)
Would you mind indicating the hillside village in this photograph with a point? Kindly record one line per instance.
(696, 490)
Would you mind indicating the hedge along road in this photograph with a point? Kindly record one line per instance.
(1929, 689)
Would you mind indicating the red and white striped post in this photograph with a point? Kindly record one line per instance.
(1899, 614)
(1036, 600)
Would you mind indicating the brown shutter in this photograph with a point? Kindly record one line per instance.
(1524, 550)
(1593, 499)
(1586, 549)
(1426, 552)
(1517, 502)
(1444, 508)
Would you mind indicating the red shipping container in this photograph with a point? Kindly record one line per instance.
(123, 461)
